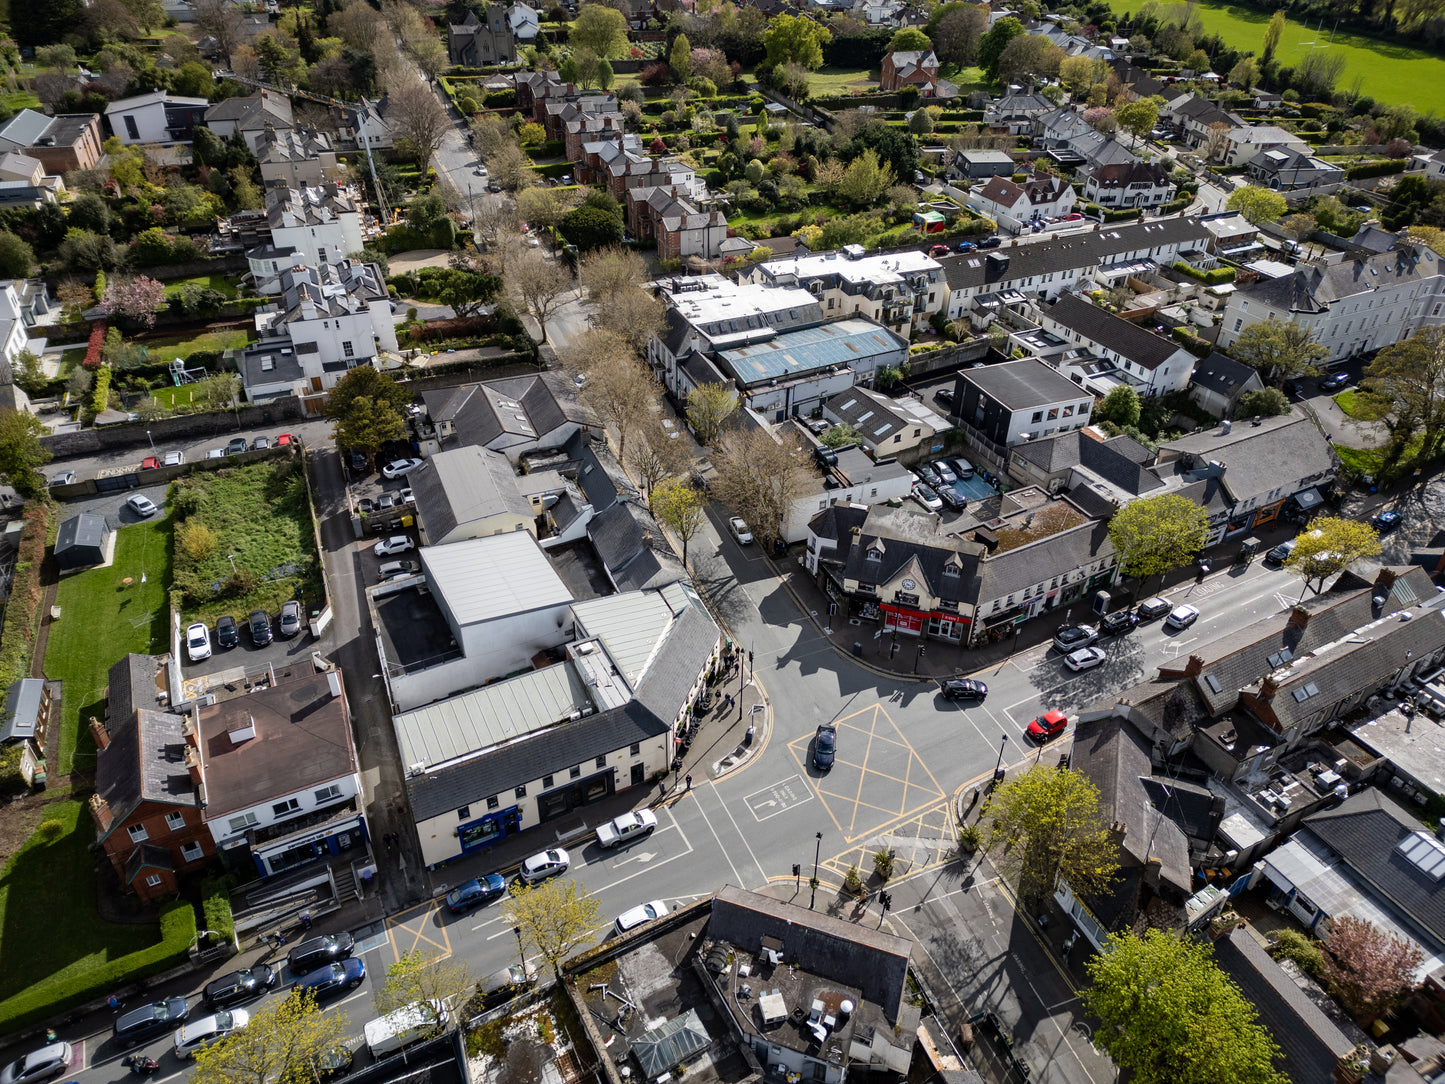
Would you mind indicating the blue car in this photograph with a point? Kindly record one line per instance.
(1385, 522)
(475, 893)
(825, 747)
(967, 246)
(326, 982)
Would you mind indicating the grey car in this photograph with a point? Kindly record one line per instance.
(290, 618)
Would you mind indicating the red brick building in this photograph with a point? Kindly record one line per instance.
(915, 68)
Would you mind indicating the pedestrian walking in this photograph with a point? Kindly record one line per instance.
(689, 782)
(114, 1002)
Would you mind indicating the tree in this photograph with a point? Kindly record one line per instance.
(1258, 205)
(1246, 73)
(1155, 534)
(436, 984)
(1264, 403)
(656, 454)
(679, 507)
(619, 388)
(280, 1045)
(1299, 226)
(1139, 117)
(591, 227)
(840, 435)
(1030, 57)
(599, 28)
(865, 179)
(1409, 378)
(1080, 73)
(1329, 545)
(958, 33)
(609, 272)
(223, 21)
(367, 425)
(759, 478)
(1168, 1014)
(680, 58)
(793, 39)
(992, 44)
(556, 917)
(709, 406)
(419, 121)
(541, 286)
(909, 40)
(21, 454)
(1046, 825)
(1216, 141)
(16, 257)
(1271, 37)
(1120, 406)
(365, 382)
(1278, 348)
(467, 292)
(136, 298)
(1369, 970)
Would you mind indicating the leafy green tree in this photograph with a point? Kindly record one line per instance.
(600, 28)
(367, 425)
(1046, 824)
(909, 40)
(1138, 117)
(792, 39)
(1168, 1014)
(590, 228)
(1272, 34)
(366, 381)
(436, 984)
(839, 435)
(1408, 378)
(709, 406)
(680, 58)
(1154, 534)
(1120, 406)
(1329, 545)
(1258, 205)
(556, 917)
(1278, 348)
(1029, 57)
(89, 212)
(992, 44)
(957, 33)
(1264, 403)
(16, 257)
(467, 292)
(281, 1045)
(679, 507)
(865, 179)
(21, 454)
(1245, 74)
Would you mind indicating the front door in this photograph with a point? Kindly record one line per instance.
(639, 773)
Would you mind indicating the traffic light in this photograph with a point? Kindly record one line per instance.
(797, 870)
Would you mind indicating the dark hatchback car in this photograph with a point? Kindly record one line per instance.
(1335, 381)
(227, 633)
(475, 893)
(331, 979)
(1384, 522)
(964, 689)
(238, 986)
(825, 747)
(1151, 609)
(149, 1021)
(1118, 621)
(319, 951)
(260, 623)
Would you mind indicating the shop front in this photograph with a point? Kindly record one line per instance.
(282, 853)
(494, 827)
(574, 793)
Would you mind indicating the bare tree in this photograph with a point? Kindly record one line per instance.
(421, 123)
(760, 478)
(635, 315)
(356, 25)
(608, 272)
(657, 454)
(618, 386)
(223, 21)
(708, 407)
(541, 286)
(1216, 139)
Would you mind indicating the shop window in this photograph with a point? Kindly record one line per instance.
(521, 792)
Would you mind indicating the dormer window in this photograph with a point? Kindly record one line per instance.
(875, 553)
(952, 568)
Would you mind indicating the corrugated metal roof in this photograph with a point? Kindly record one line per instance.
(630, 626)
(789, 353)
(482, 578)
(490, 716)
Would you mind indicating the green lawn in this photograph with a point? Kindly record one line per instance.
(165, 347)
(826, 82)
(223, 283)
(97, 608)
(71, 358)
(1389, 73)
(1361, 408)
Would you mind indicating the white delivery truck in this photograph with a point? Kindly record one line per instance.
(388, 1034)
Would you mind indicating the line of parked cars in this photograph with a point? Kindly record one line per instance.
(258, 623)
(933, 483)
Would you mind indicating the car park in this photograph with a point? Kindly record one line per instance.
(331, 979)
(964, 689)
(1152, 609)
(391, 570)
(198, 642)
(208, 1030)
(949, 496)
(150, 462)
(476, 892)
(236, 445)
(740, 531)
(548, 863)
(149, 1021)
(638, 824)
(1335, 381)
(290, 618)
(1385, 522)
(945, 472)
(925, 495)
(1086, 658)
(1048, 725)
(386, 502)
(237, 986)
(1181, 617)
(259, 622)
(227, 634)
(1072, 637)
(397, 543)
(49, 1061)
(1119, 621)
(175, 459)
(928, 474)
(636, 916)
(141, 505)
(825, 746)
(313, 953)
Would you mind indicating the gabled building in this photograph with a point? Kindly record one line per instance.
(365, 125)
(685, 231)
(1287, 169)
(885, 426)
(1015, 206)
(1194, 116)
(1248, 141)
(468, 492)
(900, 290)
(1015, 110)
(157, 117)
(61, 143)
(1132, 184)
(516, 416)
(918, 68)
(319, 225)
(1218, 382)
(296, 158)
(252, 117)
(481, 40)
(1152, 364)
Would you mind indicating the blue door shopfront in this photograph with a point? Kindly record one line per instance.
(484, 831)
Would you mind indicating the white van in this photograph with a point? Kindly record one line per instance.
(388, 1034)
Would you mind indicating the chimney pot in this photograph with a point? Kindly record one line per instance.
(1194, 666)
(99, 732)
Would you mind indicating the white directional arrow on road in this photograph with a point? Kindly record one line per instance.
(645, 856)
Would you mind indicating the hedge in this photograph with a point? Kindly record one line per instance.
(22, 612)
(1191, 342)
(216, 906)
(95, 345)
(1374, 169)
(1209, 278)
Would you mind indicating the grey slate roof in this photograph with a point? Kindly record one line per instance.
(597, 472)
(488, 412)
(81, 540)
(145, 761)
(1222, 375)
(463, 485)
(22, 709)
(674, 668)
(904, 538)
(147, 856)
(632, 548)
(1009, 572)
(1023, 384)
(1261, 457)
(1100, 326)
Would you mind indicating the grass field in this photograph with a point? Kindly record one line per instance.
(1389, 73)
(1351, 403)
(165, 347)
(222, 283)
(826, 82)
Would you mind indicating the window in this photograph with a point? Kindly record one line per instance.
(346, 349)
(328, 794)
(493, 802)
(575, 773)
(521, 792)
(464, 812)
(1038, 416)
(241, 823)
(1053, 414)
(192, 852)
(138, 833)
(601, 762)
(175, 821)
(154, 880)
(1239, 323)
(289, 806)
(636, 749)
(546, 781)
(131, 130)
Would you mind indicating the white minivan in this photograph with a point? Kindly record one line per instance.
(401, 1027)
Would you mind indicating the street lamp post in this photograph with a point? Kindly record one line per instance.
(151, 439)
(998, 768)
(817, 849)
(520, 950)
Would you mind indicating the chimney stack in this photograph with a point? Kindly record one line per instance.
(1193, 667)
(100, 810)
(99, 732)
(1267, 688)
(193, 765)
(1299, 617)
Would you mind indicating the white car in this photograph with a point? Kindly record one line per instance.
(397, 543)
(216, 453)
(208, 1030)
(630, 920)
(924, 495)
(174, 459)
(1181, 617)
(740, 531)
(398, 468)
(1086, 658)
(626, 828)
(140, 505)
(198, 642)
(547, 864)
(406, 496)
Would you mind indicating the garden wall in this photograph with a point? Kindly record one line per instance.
(950, 357)
(183, 427)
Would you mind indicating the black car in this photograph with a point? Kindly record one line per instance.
(1335, 381)
(1072, 637)
(964, 689)
(227, 634)
(238, 986)
(949, 496)
(260, 623)
(990, 242)
(825, 746)
(157, 1018)
(944, 396)
(1151, 609)
(1280, 554)
(319, 951)
(358, 462)
(1119, 621)
(1384, 522)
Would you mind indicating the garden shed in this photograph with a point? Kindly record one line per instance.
(82, 541)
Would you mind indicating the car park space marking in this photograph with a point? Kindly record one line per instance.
(778, 798)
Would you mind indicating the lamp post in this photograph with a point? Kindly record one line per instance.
(151, 439)
(817, 849)
(998, 768)
(520, 950)
(232, 558)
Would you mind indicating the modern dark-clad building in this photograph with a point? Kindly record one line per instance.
(83, 541)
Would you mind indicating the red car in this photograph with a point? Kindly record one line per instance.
(150, 462)
(1048, 725)
(283, 439)
(939, 250)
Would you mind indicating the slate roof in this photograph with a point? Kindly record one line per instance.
(147, 856)
(464, 485)
(904, 539)
(1120, 460)
(677, 661)
(488, 413)
(130, 685)
(1098, 325)
(1223, 375)
(1311, 1042)
(145, 761)
(263, 109)
(631, 546)
(1023, 384)
(1037, 192)
(1314, 289)
(1007, 573)
(837, 522)
(1124, 174)
(869, 413)
(597, 472)
(1260, 456)
(22, 709)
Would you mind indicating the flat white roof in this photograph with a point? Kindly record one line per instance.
(723, 299)
(485, 578)
(884, 268)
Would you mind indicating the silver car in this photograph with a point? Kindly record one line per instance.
(547, 864)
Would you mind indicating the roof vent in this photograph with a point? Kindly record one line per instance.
(243, 732)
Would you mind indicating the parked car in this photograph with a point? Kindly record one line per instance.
(964, 689)
(391, 570)
(259, 622)
(216, 453)
(638, 824)
(63, 478)
(290, 618)
(407, 496)
(1181, 617)
(397, 543)
(505, 984)
(330, 1064)
(260, 444)
(1335, 381)
(944, 396)
(399, 468)
(286, 439)
(1385, 522)
(42, 1064)
(331, 979)
(990, 242)
(928, 474)
(740, 531)
(962, 467)
(1152, 608)
(174, 459)
(141, 505)
(227, 634)
(1119, 621)
(825, 746)
(316, 951)
(365, 506)
(150, 462)
(949, 496)
(357, 462)
(1280, 554)
(1072, 637)
(636, 916)
(198, 642)
(945, 471)
(939, 250)
(548, 863)
(236, 445)
(925, 495)
(235, 987)
(386, 502)
(1086, 658)
(208, 1030)
(148, 1021)
(476, 892)
(967, 246)
(1048, 725)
